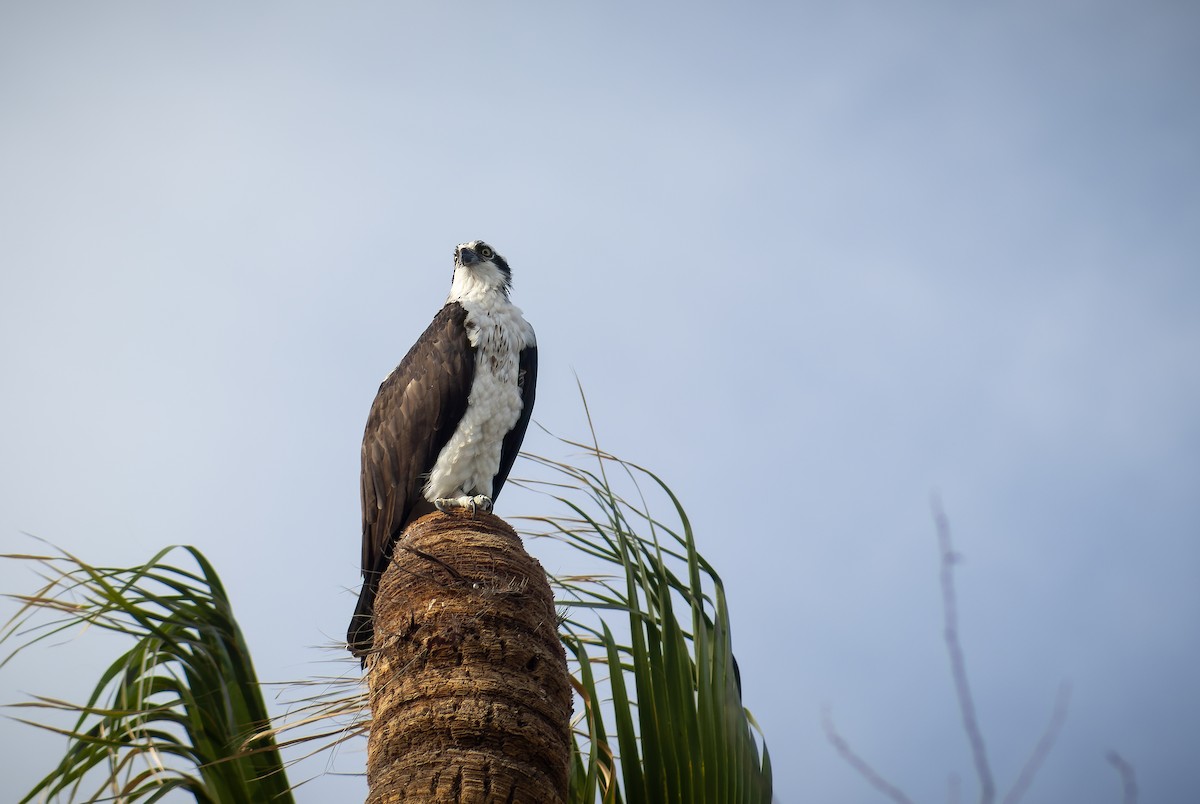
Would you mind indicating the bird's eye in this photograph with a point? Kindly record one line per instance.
(486, 252)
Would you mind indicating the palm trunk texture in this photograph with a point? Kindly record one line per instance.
(470, 696)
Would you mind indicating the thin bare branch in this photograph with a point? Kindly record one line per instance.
(859, 764)
(1040, 751)
(958, 667)
(1129, 790)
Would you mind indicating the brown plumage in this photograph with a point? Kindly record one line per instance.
(414, 415)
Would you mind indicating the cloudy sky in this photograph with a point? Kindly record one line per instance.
(811, 262)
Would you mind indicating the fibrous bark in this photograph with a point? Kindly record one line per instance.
(470, 696)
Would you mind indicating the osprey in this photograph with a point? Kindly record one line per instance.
(448, 422)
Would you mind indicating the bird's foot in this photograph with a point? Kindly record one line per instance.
(480, 502)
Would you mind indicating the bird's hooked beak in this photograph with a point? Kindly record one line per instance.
(467, 256)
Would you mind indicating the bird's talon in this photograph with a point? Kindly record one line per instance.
(448, 505)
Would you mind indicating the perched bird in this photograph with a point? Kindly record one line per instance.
(447, 423)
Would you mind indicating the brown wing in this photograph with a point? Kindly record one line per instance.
(413, 416)
(527, 380)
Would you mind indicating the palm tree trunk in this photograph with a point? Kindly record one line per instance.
(470, 697)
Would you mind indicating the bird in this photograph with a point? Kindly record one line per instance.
(448, 421)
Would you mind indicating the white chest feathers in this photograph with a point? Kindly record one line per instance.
(467, 465)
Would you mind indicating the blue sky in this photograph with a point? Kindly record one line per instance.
(812, 263)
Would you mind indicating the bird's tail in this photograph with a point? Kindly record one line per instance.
(360, 636)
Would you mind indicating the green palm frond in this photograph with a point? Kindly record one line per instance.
(171, 713)
(667, 697)
(662, 718)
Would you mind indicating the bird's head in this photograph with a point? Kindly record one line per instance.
(479, 271)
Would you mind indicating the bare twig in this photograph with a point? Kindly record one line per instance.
(1042, 749)
(1129, 791)
(859, 764)
(966, 704)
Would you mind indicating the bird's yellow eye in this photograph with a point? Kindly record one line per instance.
(486, 252)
